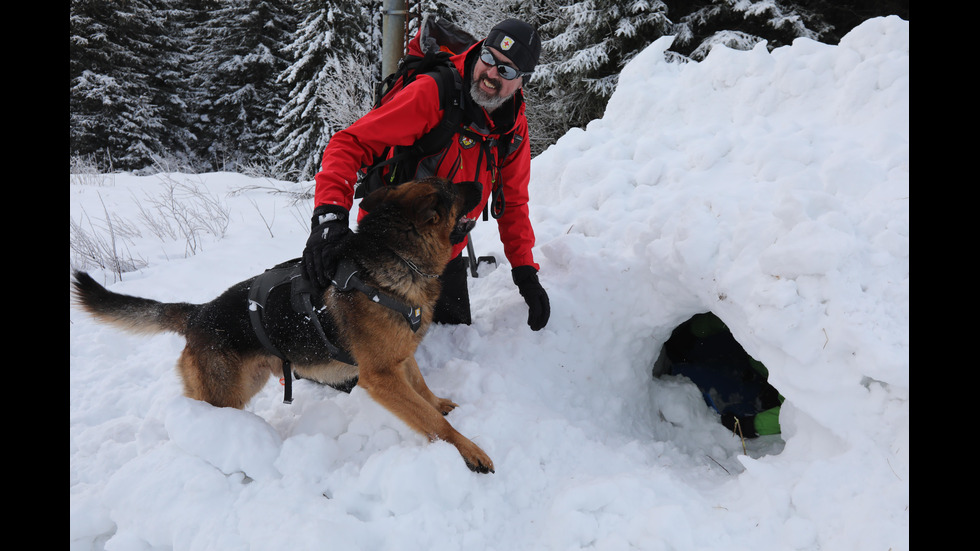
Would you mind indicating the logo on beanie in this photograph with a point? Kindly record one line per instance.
(506, 43)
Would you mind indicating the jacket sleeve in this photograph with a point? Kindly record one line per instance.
(409, 115)
(514, 225)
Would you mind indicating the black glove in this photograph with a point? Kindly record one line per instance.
(330, 229)
(538, 307)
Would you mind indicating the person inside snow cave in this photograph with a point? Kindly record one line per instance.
(732, 383)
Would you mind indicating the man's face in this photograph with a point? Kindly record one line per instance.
(489, 89)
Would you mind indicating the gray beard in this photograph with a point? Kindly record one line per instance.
(485, 100)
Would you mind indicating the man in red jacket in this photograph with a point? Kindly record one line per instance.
(493, 73)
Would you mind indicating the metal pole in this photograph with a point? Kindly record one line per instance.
(393, 35)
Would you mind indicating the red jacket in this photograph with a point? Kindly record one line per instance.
(410, 114)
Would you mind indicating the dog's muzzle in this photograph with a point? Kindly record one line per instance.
(465, 224)
(463, 227)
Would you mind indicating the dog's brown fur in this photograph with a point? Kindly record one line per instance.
(225, 365)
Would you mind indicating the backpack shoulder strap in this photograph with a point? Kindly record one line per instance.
(450, 99)
(450, 85)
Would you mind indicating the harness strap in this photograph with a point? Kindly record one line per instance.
(301, 297)
(258, 294)
(301, 293)
(345, 279)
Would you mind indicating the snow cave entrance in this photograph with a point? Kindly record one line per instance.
(732, 383)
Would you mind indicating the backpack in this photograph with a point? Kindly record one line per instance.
(429, 52)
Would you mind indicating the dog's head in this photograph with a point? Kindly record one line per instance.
(431, 205)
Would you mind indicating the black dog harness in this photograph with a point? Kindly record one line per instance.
(301, 296)
(345, 279)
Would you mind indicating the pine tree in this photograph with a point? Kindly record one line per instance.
(588, 42)
(334, 67)
(113, 111)
(237, 61)
(586, 45)
(700, 25)
(172, 82)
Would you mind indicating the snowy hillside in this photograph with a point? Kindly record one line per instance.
(769, 188)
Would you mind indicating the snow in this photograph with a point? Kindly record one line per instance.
(769, 188)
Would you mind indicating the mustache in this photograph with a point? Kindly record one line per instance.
(495, 81)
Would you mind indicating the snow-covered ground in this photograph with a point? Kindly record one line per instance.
(769, 188)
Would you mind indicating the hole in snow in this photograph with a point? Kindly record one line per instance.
(731, 382)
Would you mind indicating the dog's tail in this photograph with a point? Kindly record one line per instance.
(133, 314)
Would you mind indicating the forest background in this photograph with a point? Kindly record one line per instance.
(259, 86)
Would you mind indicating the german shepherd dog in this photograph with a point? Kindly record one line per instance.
(399, 249)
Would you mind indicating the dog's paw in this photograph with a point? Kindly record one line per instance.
(476, 459)
(481, 468)
(444, 405)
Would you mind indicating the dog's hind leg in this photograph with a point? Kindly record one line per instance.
(390, 387)
(222, 379)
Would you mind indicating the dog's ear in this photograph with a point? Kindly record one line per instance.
(471, 193)
(426, 209)
(374, 199)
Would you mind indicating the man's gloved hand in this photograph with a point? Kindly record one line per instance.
(538, 306)
(330, 229)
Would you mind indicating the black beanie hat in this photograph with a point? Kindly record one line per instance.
(518, 41)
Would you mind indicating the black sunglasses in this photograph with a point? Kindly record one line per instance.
(505, 71)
